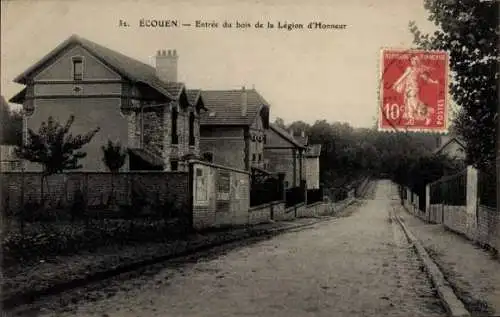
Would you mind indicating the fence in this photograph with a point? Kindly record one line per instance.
(265, 189)
(314, 195)
(451, 190)
(294, 196)
(464, 203)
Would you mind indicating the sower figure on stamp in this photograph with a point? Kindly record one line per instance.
(408, 84)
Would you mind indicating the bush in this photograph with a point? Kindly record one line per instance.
(41, 240)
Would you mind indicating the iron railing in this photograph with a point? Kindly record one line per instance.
(314, 195)
(265, 192)
(450, 190)
(294, 196)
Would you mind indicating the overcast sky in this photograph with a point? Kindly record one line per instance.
(304, 74)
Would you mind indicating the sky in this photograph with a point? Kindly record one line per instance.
(304, 74)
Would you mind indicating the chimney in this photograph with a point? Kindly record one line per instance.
(166, 65)
(244, 102)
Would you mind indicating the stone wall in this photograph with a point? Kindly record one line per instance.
(455, 218)
(18, 189)
(488, 232)
(266, 212)
(221, 195)
(436, 213)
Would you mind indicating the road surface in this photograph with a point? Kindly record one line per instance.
(357, 265)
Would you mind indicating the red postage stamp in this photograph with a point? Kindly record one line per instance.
(413, 91)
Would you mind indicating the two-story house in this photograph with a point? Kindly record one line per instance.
(141, 106)
(233, 130)
(284, 154)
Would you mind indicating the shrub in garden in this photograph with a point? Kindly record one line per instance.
(78, 206)
(39, 241)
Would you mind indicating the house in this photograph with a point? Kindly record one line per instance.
(310, 161)
(232, 132)
(143, 107)
(284, 154)
(311, 166)
(451, 146)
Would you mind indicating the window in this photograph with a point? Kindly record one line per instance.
(253, 157)
(175, 137)
(265, 139)
(208, 156)
(191, 129)
(174, 165)
(77, 68)
(260, 158)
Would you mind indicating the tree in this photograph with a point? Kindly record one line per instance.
(114, 157)
(11, 125)
(297, 127)
(469, 30)
(54, 147)
(280, 122)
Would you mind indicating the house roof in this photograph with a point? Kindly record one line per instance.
(313, 150)
(128, 67)
(446, 144)
(19, 97)
(285, 135)
(301, 139)
(225, 107)
(148, 157)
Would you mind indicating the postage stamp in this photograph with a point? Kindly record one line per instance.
(413, 91)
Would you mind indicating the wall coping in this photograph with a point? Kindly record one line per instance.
(315, 204)
(94, 173)
(261, 206)
(218, 166)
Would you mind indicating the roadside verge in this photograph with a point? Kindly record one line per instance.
(452, 304)
(59, 274)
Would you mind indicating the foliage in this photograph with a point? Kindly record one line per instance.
(469, 31)
(279, 122)
(350, 153)
(78, 205)
(11, 125)
(54, 147)
(114, 156)
(42, 240)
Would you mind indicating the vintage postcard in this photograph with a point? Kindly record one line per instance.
(256, 158)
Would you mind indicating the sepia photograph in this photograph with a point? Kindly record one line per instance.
(249, 158)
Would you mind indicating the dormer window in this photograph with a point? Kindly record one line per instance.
(77, 68)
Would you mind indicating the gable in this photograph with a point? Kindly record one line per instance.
(258, 124)
(274, 139)
(61, 68)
